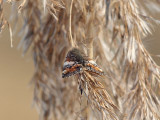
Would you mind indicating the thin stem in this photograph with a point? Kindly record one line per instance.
(90, 48)
(90, 30)
(70, 29)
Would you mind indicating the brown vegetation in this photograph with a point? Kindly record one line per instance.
(110, 33)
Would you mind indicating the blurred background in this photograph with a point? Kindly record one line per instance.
(16, 72)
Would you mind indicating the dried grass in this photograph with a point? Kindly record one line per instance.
(3, 21)
(107, 31)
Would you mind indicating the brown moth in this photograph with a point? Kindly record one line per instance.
(76, 62)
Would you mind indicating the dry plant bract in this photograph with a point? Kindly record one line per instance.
(110, 33)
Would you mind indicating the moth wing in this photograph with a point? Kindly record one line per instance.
(71, 70)
(93, 68)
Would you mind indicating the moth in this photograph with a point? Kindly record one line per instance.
(76, 62)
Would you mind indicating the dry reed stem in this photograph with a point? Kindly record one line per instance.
(70, 27)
